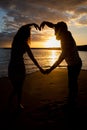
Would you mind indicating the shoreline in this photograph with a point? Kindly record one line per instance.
(38, 71)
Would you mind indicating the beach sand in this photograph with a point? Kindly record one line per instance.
(44, 98)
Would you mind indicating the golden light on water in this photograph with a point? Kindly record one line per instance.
(54, 54)
(52, 43)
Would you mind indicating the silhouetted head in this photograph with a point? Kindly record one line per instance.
(23, 33)
(60, 27)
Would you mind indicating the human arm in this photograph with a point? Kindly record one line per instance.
(49, 24)
(30, 54)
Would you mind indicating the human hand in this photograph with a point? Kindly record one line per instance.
(36, 26)
(42, 71)
(42, 25)
(47, 71)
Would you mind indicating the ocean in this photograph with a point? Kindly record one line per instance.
(45, 57)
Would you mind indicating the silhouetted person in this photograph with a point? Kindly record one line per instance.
(16, 68)
(70, 54)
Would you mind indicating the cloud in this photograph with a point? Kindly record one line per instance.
(81, 9)
(83, 20)
(43, 35)
(18, 12)
(36, 10)
(6, 39)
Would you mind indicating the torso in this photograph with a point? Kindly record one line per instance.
(16, 66)
(69, 48)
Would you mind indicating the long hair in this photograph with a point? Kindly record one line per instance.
(23, 34)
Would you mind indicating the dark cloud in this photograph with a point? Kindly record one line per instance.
(37, 10)
(18, 12)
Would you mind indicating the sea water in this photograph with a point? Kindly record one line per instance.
(45, 57)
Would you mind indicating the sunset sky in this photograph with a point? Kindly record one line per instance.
(15, 13)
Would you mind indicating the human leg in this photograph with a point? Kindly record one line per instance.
(19, 93)
(13, 93)
(73, 73)
(16, 92)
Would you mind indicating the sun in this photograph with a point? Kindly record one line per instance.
(52, 43)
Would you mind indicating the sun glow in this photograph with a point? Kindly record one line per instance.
(52, 43)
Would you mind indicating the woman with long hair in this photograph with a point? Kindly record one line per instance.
(16, 68)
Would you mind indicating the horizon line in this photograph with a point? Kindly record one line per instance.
(80, 48)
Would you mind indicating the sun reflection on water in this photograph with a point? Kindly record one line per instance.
(53, 56)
